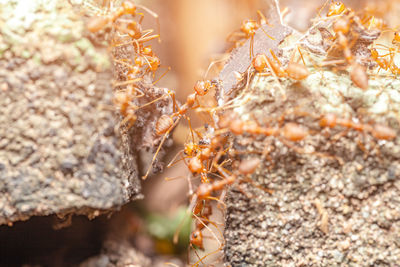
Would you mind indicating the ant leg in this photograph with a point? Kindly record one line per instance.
(96, 24)
(191, 206)
(128, 82)
(159, 148)
(275, 57)
(208, 228)
(174, 104)
(197, 255)
(221, 198)
(240, 35)
(208, 254)
(276, 78)
(189, 183)
(144, 39)
(323, 6)
(301, 55)
(224, 58)
(220, 202)
(269, 36)
(124, 121)
(171, 263)
(152, 101)
(141, 17)
(263, 19)
(155, 15)
(140, 40)
(251, 47)
(190, 127)
(175, 161)
(156, 81)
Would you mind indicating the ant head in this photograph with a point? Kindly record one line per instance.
(147, 50)
(154, 63)
(129, 7)
(202, 87)
(336, 8)
(249, 27)
(190, 149)
(196, 238)
(260, 62)
(374, 53)
(396, 38)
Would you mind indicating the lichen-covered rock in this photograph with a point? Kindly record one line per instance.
(59, 152)
(334, 193)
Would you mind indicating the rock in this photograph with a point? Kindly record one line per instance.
(50, 127)
(353, 176)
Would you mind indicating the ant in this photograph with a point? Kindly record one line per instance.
(133, 30)
(358, 73)
(202, 212)
(290, 131)
(123, 99)
(336, 8)
(294, 70)
(165, 124)
(202, 197)
(287, 134)
(197, 238)
(127, 8)
(379, 131)
(382, 62)
(248, 30)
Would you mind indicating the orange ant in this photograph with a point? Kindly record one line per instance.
(336, 8)
(127, 8)
(358, 73)
(134, 31)
(123, 99)
(286, 134)
(202, 210)
(382, 62)
(202, 197)
(165, 124)
(294, 70)
(248, 30)
(290, 131)
(378, 131)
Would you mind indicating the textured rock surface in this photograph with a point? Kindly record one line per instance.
(336, 193)
(58, 150)
(118, 253)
